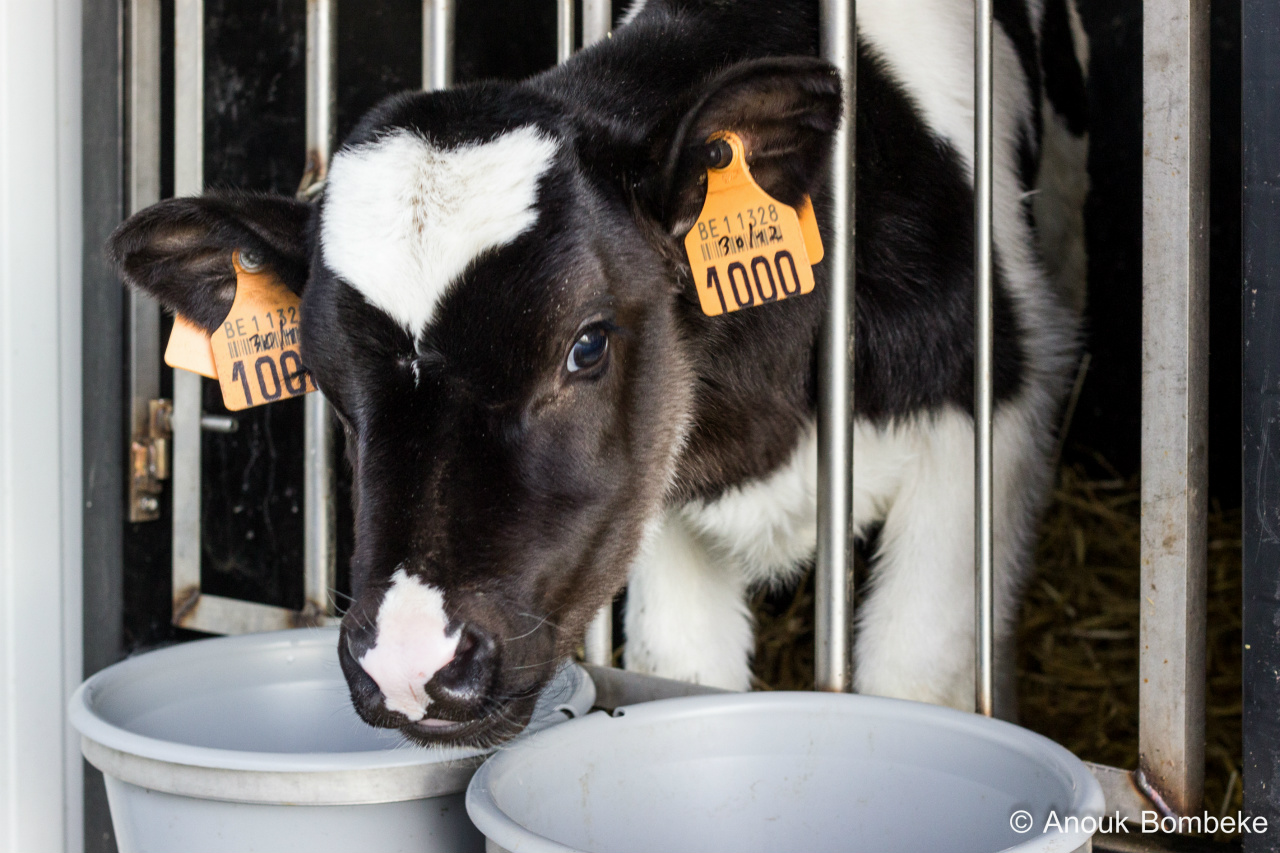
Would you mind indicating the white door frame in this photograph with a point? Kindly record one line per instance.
(41, 802)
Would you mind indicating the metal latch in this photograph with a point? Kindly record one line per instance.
(149, 462)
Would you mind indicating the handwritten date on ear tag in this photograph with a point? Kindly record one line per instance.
(747, 248)
(254, 353)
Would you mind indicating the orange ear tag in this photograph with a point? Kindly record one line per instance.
(254, 353)
(256, 347)
(190, 348)
(747, 248)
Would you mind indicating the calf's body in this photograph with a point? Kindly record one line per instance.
(496, 301)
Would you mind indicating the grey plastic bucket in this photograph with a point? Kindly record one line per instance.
(250, 743)
(782, 772)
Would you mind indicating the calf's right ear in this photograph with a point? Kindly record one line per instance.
(180, 249)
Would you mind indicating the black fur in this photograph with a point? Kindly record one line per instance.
(179, 250)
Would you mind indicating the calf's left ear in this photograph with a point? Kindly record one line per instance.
(180, 249)
(784, 109)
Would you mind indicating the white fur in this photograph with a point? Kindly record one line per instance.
(411, 645)
(404, 218)
(916, 627)
(636, 7)
(687, 614)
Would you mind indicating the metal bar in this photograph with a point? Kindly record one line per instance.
(1260, 160)
(103, 473)
(144, 190)
(834, 573)
(598, 645)
(437, 43)
(319, 547)
(188, 179)
(426, 44)
(1175, 254)
(597, 20)
(1123, 794)
(564, 30)
(984, 594)
(618, 687)
(218, 615)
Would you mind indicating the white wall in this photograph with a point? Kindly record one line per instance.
(40, 550)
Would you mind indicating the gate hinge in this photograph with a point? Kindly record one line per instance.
(149, 462)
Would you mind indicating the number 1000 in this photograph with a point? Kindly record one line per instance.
(760, 273)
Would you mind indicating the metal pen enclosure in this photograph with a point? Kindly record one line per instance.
(1175, 344)
(1260, 161)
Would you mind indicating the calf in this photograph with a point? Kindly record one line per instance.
(496, 300)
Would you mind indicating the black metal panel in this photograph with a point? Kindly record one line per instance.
(1260, 155)
(102, 340)
(147, 552)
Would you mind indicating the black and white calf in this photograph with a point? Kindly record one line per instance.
(496, 301)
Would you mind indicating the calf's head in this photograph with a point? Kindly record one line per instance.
(492, 292)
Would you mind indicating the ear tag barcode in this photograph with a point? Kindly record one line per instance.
(747, 248)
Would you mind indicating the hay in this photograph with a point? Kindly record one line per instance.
(1077, 638)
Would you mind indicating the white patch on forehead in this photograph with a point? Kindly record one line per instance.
(403, 218)
(411, 645)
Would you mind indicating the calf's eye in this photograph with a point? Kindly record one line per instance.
(588, 350)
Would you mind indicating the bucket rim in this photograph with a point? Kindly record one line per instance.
(93, 727)
(489, 817)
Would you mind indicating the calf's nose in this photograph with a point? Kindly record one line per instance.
(410, 644)
(462, 685)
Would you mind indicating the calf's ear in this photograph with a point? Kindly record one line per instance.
(784, 109)
(179, 250)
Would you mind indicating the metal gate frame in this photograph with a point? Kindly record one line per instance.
(1174, 390)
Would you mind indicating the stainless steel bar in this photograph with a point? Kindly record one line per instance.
(984, 594)
(834, 573)
(1175, 347)
(188, 179)
(564, 30)
(319, 550)
(426, 44)
(597, 20)
(437, 61)
(598, 645)
(1123, 794)
(321, 58)
(617, 687)
(144, 190)
(215, 614)
(225, 424)
(319, 516)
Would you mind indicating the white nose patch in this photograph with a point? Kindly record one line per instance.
(411, 645)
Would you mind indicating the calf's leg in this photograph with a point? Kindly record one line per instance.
(687, 616)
